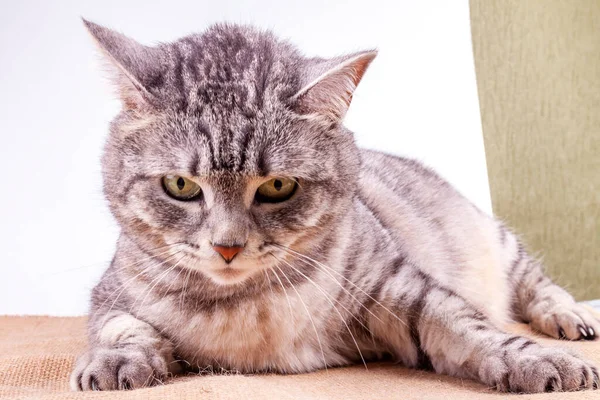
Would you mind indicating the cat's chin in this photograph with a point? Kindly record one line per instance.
(228, 275)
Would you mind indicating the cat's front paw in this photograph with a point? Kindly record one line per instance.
(566, 321)
(537, 369)
(117, 369)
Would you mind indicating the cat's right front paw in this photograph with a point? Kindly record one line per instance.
(535, 369)
(117, 369)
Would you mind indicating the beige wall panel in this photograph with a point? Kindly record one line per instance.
(538, 75)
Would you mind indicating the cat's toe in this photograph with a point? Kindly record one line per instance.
(116, 369)
(550, 370)
(570, 322)
(575, 373)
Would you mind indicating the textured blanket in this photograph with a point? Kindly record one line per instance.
(37, 354)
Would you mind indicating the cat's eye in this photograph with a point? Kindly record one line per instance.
(181, 188)
(276, 190)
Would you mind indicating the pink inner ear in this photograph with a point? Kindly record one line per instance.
(331, 93)
(360, 67)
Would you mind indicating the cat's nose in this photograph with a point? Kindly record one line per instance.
(227, 252)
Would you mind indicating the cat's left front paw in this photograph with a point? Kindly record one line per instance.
(566, 321)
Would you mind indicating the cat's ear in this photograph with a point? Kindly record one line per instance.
(135, 67)
(330, 84)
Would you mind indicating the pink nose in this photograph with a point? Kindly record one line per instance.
(227, 252)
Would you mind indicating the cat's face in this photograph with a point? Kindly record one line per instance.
(229, 148)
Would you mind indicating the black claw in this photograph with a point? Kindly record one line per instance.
(79, 385)
(503, 385)
(584, 378)
(506, 382)
(561, 333)
(587, 333)
(125, 384)
(584, 332)
(551, 385)
(592, 333)
(518, 390)
(94, 384)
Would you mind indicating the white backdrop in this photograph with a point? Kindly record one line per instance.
(56, 235)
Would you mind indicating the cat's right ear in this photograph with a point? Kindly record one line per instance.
(329, 85)
(135, 67)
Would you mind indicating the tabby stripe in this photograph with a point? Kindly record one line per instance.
(194, 59)
(193, 167)
(414, 318)
(204, 131)
(519, 257)
(178, 78)
(130, 184)
(526, 344)
(397, 264)
(502, 232)
(509, 341)
(361, 199)
(261, 163)
(350, 267)
(246, 132)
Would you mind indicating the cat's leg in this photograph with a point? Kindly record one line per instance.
(546, 306)
(428, 325)
(124, 353)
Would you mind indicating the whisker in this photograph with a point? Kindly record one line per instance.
(123, 287)
(183, 292)
(176, 276)
(271, 288)
(290, 307)
(141, 272)
(334, 307)
(307, 313)
(143, 260)
(286, 296)
(338, 301)
(340, 285)
(158, 279)
(347, 280)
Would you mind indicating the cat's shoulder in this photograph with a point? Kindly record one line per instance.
(383, 163)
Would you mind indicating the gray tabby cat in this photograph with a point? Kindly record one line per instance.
(257, 237)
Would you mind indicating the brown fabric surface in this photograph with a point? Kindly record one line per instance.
(37, 354)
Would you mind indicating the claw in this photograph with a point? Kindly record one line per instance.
(79, 385)
(125, 384)
(94, 385)
(561, 333)
(584, 333)
(592, 333)
(552, 385)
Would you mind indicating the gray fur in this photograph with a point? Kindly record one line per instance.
(373, 255)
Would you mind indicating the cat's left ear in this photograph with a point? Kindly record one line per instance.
(136, 68)
(328, 85)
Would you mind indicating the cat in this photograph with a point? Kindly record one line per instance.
(257, 237)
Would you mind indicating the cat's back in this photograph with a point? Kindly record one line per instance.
(410, 182)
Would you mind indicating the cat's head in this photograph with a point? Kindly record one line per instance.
(229, 148)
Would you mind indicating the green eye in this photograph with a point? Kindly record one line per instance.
(181, 188)
(276, 190)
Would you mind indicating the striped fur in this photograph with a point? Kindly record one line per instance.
(373, 257)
